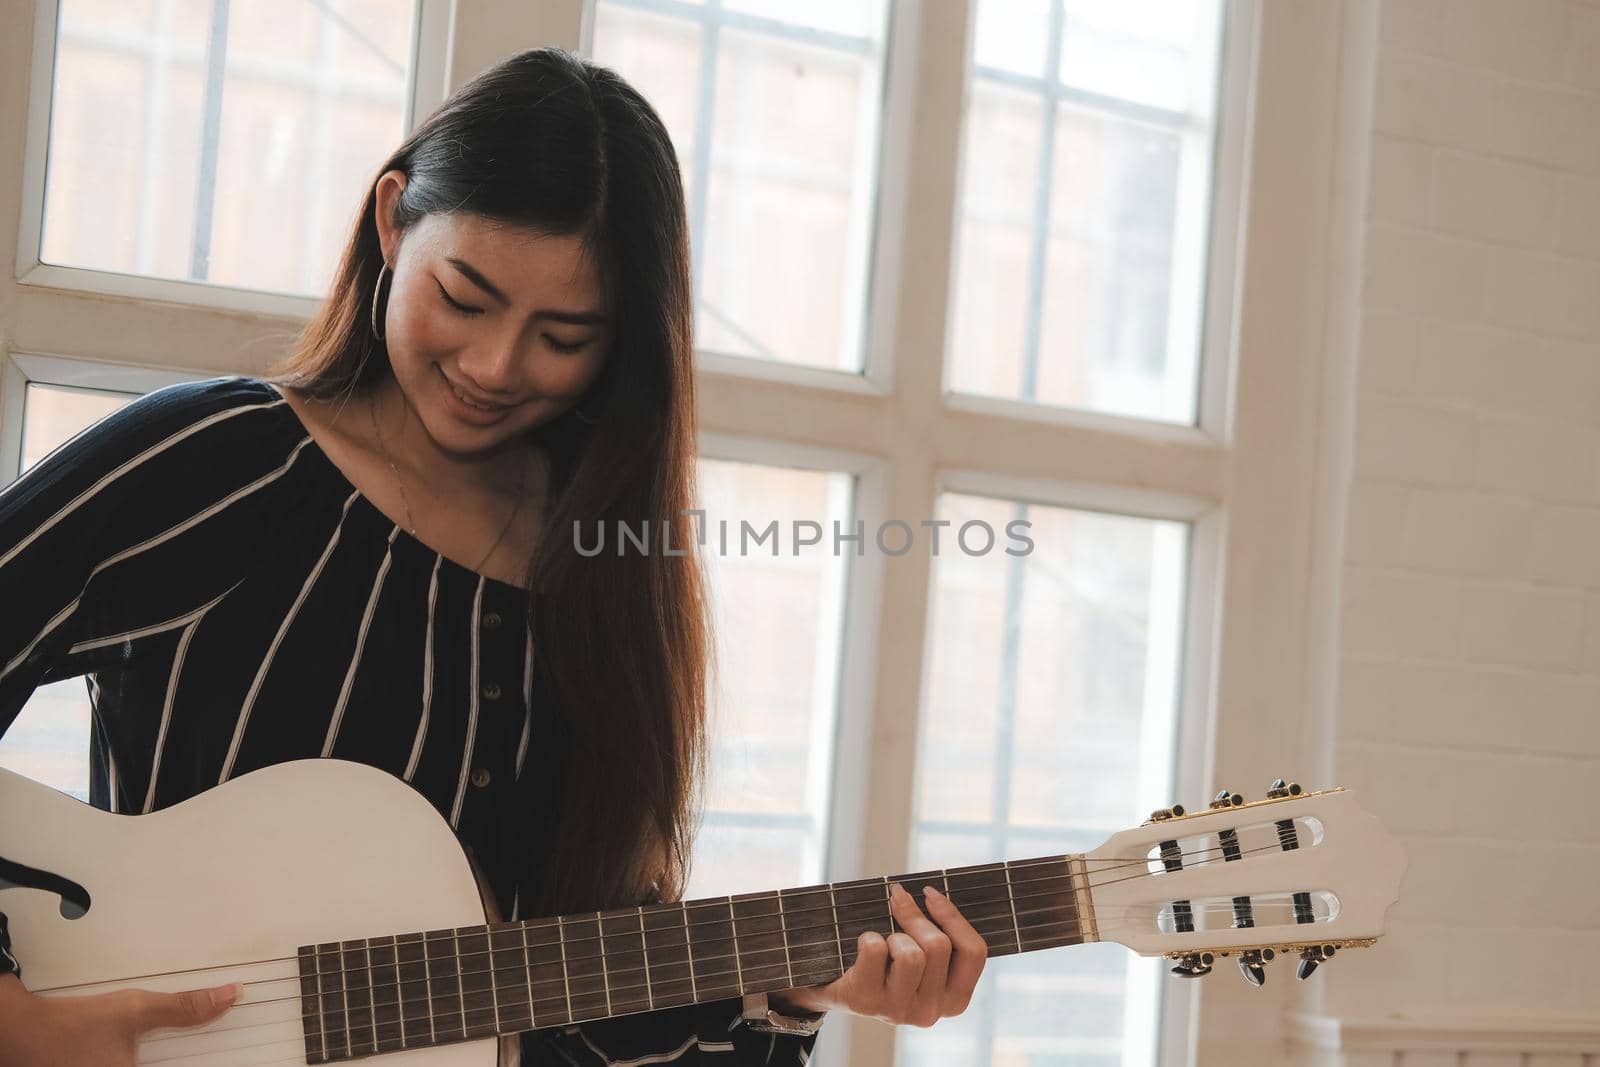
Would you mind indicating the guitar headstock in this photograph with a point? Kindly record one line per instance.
(1296, 872)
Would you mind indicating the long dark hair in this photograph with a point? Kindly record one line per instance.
(550, 142)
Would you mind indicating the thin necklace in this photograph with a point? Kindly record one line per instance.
(522, 487)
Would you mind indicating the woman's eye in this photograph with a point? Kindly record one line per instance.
(463, 308)
(563, 347)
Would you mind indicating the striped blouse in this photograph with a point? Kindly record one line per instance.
(195, 551)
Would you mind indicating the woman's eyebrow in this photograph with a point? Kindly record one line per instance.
(472, 274)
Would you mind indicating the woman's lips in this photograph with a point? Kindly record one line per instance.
(465, 411)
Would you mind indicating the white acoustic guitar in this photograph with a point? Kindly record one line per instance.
(348, 909)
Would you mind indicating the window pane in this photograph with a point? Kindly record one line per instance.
(1085, 203)
(1049, 725)
(777, 615)
(774, 111)
(49, 741)
(222, 141)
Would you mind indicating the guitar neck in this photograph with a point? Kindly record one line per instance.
(440, 986)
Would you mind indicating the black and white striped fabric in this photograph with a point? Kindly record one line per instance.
(235, 602)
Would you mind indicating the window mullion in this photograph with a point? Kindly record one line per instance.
(925, 86)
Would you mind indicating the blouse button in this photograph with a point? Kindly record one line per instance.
(480, 777)
(491, 621)
(491, 691)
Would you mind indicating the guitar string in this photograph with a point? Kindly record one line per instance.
(611, 991)
(597, 939)
(395, 1030)
(461, 992)
(631, 990)
(1119, 863)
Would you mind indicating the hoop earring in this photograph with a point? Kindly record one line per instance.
(373, 318)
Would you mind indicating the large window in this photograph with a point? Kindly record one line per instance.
(774, 109)
(1047, 721)
(958, 261)
(219, 142)
(1086, 195)
(49, 742)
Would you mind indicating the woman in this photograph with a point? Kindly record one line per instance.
(338, 552)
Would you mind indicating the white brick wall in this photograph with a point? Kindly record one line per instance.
(1469, 685)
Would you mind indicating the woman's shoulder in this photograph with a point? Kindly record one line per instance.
(222, 398)
(170, 434)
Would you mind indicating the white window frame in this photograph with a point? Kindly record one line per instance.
(1258, 477)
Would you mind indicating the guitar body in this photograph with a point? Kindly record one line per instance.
(305, 852)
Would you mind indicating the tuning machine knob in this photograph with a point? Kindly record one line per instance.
(1252, 965)
(1194, 965)
(1163, 814)
(1283, 789)
(1309, 958)
(1225, 799)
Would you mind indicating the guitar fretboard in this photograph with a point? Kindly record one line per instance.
(416, 990)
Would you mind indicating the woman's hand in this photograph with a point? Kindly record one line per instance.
(919, 974)
(100, 1029)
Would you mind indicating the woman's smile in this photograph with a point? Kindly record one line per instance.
(465, 409)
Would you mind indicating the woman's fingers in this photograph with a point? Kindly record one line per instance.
(906, 961)
(969, 951)
(933, 945)
(189, 1008)
(926, 969)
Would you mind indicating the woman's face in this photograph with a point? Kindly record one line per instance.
(498, 313)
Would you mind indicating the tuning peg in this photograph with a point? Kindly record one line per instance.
(1225, 799)
(1163, 814)
(1194, 965)
(1310, 958)
(1251, 965)
(1281, 789)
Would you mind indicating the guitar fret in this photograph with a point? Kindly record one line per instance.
(411, 967)
(708, 927)
(733, 929)
(812, 941)
(527, 962)
(494, 988)
(566, 978)
(399, 990)
(1055, 921)
(311, 1005)
(986, 903)
(605, 970)
(886, 901)
(386, 1015)
(688, 949)
(444, 986)
(783, 928)
(545, 948)
(838, 938)
(476, 968)
(507, 970)
(668, 965)
(461, 998)
(644, 947)
(762, 953)
(372, 1007)
(860, 907)
(1012, 895)
(344, 992)
(586, 966)
(622, 945)
(331, 981)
